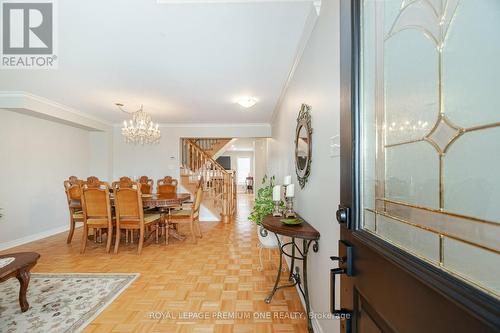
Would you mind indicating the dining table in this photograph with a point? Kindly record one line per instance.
(166, 201)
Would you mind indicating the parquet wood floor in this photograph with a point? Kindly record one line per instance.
(214, 279)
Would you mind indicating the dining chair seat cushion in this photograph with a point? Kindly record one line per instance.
(97, 221)
(78, 215)
(150, 218)
(181, 213)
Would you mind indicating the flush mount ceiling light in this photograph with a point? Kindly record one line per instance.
(140, 129)
(247, 102)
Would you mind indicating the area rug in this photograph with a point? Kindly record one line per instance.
(59, 302)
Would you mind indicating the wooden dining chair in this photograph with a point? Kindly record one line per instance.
(73, 195)
(129, 211)
(166, 185)
(146, 185)
(97, 213)
(189, 215)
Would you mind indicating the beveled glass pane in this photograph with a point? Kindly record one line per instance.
(479, 266)
(369, 220)
(472, 176)
(471, 54)
(411, 90)
(412, 174)
(443, 134)
(461, 227)
(423, 243)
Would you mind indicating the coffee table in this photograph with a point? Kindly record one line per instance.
(20, 269)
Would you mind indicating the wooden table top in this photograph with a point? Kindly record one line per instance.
(302, 231)
(22, 259)
(151, 200)
(164, 200)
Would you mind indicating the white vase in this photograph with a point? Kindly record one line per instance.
(268, 241)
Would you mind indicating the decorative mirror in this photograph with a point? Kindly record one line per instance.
(303, 145)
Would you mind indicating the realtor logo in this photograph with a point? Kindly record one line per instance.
(28, 34)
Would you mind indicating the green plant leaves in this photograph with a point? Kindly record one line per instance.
(264, 203)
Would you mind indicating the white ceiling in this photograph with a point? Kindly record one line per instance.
(185, 63)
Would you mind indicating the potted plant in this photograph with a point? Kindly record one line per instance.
(263, 206)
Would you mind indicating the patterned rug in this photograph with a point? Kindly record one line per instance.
(59, 302)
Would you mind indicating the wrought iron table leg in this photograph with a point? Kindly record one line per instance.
(278, 276)
(305, 247)
(292, 263)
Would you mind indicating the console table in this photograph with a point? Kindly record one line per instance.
(308, 235)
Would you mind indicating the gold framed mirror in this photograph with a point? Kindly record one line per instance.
(303, 145)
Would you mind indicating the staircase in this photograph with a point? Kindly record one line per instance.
(210, 146)
(219, 184)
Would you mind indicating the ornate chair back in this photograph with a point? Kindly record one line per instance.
(146, 185)
(128, 200)
(167, 185)
(93, 181)
(96, 203)
(72, 188)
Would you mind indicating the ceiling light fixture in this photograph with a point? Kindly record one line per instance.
(247, 102)
(139, 129)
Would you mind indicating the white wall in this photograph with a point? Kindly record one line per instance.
(101, 155)
(315, 82)
(260, 162)
(37, 155)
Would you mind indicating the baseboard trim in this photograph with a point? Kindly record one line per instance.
(32, 238)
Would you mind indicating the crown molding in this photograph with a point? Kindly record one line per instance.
(304, 39)
(40, 107)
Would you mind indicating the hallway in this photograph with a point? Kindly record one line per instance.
(217, 277)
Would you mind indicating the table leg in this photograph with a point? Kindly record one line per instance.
(278, 276)
(175, 234)
(292, 264)
(23, 275)
(305, 249)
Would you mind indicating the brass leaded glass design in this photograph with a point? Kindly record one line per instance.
(430, 183)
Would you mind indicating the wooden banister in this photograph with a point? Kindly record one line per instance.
(221, 183)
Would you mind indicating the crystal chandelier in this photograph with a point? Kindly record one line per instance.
(140, 129)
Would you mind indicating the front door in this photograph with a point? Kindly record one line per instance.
(420, 166)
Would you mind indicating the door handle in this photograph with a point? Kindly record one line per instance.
(345, 267)
(333, 309)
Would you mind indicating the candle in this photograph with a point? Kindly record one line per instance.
(287, 180)
(277, 193)
(290, 191)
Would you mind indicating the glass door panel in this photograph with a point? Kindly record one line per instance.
(430, 123)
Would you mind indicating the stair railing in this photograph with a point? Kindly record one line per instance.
(219, 182)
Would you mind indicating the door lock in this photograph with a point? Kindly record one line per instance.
(343, 214)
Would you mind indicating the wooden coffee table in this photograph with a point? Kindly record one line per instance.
(20, 268)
